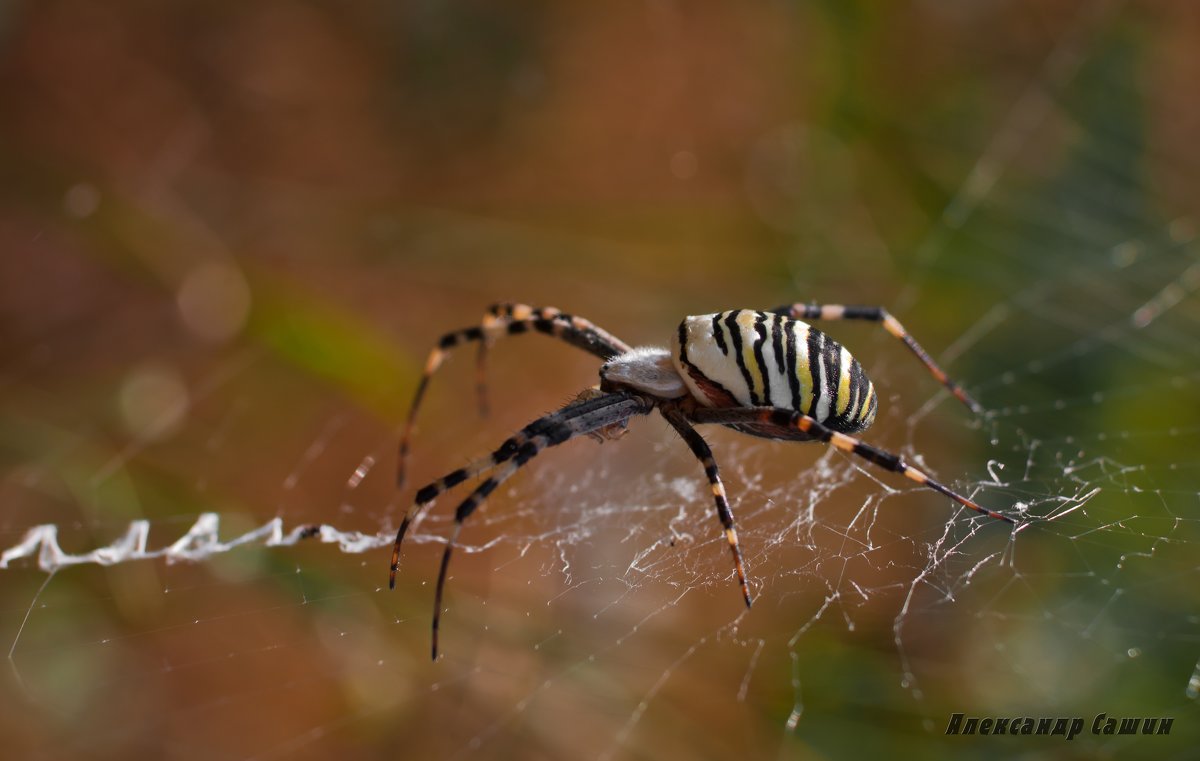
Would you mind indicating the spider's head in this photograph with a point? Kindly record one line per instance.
(647, 369)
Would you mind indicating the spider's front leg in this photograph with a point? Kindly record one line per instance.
(608, 432)
(580, 417)
(591, 412)
(584, 407)
(501, 320)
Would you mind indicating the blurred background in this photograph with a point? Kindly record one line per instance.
(231, 232)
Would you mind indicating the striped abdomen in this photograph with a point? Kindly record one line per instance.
(758, 359)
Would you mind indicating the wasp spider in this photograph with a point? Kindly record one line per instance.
(767, 374)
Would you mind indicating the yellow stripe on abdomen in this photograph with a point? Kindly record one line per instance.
(866, 403)
(843, 389)
(802, 371)
(745, 322)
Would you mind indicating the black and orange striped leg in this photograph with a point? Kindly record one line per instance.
(784, 418)
(891, 325)
(428, 493)
(704, 454)
(501, 320)
(527, 452)
(573, 329)
(589, 413)
(576, 419)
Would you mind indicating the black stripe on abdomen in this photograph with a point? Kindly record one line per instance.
(791, 370)
(833, 374)
(735, 337)
(814, 369)
(777, 347)
(760, 327)
(719, 334)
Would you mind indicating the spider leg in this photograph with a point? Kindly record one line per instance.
(428, 493)
(891, 325)
(504, 319)
(574, 420)
(590, 412)
(704, 454)
(584, 408)
(465, 509)
(788, 419)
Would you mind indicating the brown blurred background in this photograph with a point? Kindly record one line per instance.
(232, 231)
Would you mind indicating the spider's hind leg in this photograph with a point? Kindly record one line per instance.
(892, 326)
(784, 418)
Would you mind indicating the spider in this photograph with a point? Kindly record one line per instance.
(767, 374)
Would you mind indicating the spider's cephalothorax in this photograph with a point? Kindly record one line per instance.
(768, 374)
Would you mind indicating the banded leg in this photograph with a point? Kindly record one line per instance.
(504, 319)
(467, 507)
(891, 325)
(704, 454)
(552, 430)
(591, 412)
(788, 420)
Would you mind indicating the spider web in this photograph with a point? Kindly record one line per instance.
(195, 538)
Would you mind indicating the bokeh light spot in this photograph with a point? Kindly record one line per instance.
(81, 200)
(214, 301)
(153, 401)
